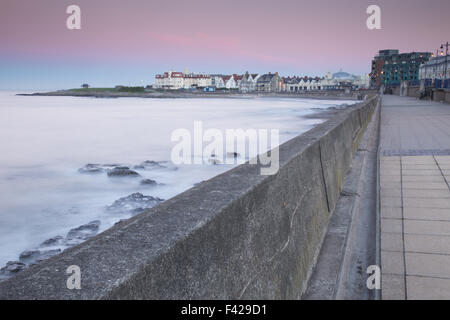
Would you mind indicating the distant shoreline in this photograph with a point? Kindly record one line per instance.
(102, 93)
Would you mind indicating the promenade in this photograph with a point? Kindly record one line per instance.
(415, 199)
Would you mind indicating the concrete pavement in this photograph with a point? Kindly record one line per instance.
(415, 199)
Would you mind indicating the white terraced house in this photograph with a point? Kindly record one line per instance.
(233, 81)
(248, 82)
(179, 80)
(217, 81)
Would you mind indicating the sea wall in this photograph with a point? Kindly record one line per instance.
(239, 235)
(441, 95)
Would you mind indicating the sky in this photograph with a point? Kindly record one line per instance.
(128, 42)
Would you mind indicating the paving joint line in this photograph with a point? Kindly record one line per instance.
(403, 228)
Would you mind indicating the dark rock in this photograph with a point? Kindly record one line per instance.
(29, 255)
(91, 168)
(120, 221)
(150, 164)
(33, 256)
(122, 172)
(52, 241)
(122, 168)
(82, 233)
(48, 254)
(13, 267)
(134, 203)
(149, 182)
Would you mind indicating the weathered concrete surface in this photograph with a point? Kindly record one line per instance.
(238, 235)
(349, 246)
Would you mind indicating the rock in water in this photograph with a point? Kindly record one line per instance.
(91, 168)
(29, 255)
(149, 182)
(52, 241)
(13, 267)
(134, 203)
(82, 233)
(122, 172)
(150, 165)
(47, 254)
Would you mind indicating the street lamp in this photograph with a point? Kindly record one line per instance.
(445, 67)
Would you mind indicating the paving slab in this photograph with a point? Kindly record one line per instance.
(391, 159)
(389, 192)
(427, 244)
(426, 288)
(391, 225)
(428, 265)
(420, 193)
(427, 227)
(441, 203)
(420, 172)
(390, 212)
(419, 167)
(394, 172)
(390, 178)
(424, 179)
(391, 242)
(391, 185)
(392, 263)
(442, 159)
(393, 287)
(415, 223)
(428, 214)
(425, 185)
(391, 201)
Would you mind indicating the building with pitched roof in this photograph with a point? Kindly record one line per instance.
(269, 82)
(248, 82)
(179, 80)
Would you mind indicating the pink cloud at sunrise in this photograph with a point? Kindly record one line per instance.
(289, 36)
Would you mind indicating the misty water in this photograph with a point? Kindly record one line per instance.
(45, 140)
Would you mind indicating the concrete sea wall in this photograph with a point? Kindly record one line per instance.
(440, 95)
(239, 235)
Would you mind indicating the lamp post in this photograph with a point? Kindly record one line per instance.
(445, 65)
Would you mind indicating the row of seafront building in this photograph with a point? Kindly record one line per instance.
(254, 82)
(422, 73)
